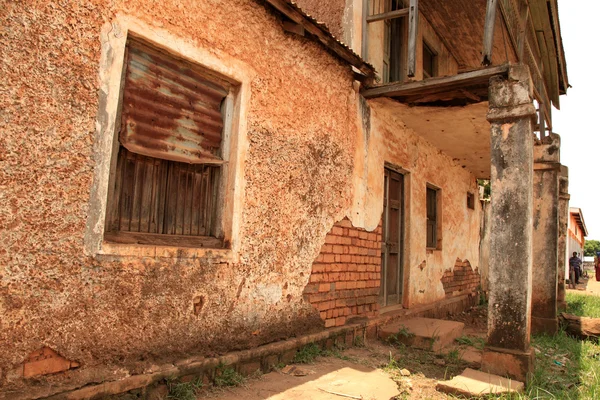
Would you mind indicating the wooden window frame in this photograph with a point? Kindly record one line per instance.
(434, 61)
(215, 238)
(470, 200)
(433, 220)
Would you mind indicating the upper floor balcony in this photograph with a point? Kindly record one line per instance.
(440, 52)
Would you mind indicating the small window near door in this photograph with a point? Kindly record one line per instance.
(432, 218)
(429, 62)
(470, 200)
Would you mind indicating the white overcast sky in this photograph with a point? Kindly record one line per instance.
(576, 121)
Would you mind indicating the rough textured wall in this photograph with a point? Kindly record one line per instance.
(115, 315)
(346, 275)
(330, 12)
(390, 140)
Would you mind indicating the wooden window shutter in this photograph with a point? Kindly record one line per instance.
(170, 109)
(431, 217)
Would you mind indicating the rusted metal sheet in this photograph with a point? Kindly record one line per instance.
(170, 110)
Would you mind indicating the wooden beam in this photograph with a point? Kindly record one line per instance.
(436, 85)
(291, 12)
(292, 27)
(413, 28)
(365, 30)
(542, 122)
(488, 32)
(524, 21)
(388, 15)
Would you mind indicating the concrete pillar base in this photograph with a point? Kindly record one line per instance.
(510, 363)
(544, 325)
(562, 306)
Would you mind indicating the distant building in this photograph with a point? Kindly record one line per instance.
(576, 234)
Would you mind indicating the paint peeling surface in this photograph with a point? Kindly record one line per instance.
(304, 153)
(391, 140)
(118, 314)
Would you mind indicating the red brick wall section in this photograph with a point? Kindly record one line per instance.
(345, 277)
(462, 279)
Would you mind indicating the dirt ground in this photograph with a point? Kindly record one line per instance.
(370, 372)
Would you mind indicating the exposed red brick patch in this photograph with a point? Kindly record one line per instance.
(462, 279)
(46, 361)
(346, 275)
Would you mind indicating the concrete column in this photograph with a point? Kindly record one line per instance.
(546, 174)
(508, 351)
(563, 222)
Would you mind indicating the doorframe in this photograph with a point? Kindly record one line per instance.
(404, 236)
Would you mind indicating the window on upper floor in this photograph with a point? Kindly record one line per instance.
(165, 189)
(429, 62)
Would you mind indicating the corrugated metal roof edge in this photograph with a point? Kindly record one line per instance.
(363, 66)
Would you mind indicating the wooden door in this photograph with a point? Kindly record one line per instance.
(392, 245)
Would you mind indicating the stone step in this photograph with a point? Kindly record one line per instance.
(423, 333)
(472, 383)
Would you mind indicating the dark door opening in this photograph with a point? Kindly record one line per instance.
(392, 246)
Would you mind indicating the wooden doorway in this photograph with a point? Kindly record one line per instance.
(392, 249)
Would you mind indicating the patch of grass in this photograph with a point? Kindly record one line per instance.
(472, 341)
(184, 390)
(359, 341)
(396, 339)
(226, 376)
(453, 356)
(307, 354)
(583, 305)
(335, 352)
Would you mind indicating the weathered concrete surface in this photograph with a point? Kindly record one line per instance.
(117, 314)
(424, 333)
(390, 140)
(472, 383)
(466, 140)
(484, 244)
(563, 221)
(510, 274)
(546, 154)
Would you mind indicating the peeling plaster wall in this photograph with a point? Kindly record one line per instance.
(389, 140)
(114, 314)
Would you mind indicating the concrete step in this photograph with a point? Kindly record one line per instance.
(472, 383)
(423, 333)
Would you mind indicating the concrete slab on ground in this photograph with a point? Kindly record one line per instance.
(329, 379)
(424, 333)
(472, 383)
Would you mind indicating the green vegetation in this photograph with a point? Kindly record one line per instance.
(565, 367)
(184, 390)
(359, 341)
(583, 305)
(307, 354)
(226, 376)
(591, 247)
(473, 341)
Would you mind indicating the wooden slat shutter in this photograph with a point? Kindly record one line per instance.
(163, 197)
(431, 217)
(170, 110)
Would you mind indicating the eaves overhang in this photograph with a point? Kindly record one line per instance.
(296, 21)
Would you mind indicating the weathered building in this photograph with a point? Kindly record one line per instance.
(196, 178)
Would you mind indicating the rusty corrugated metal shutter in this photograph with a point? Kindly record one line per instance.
(170, 110)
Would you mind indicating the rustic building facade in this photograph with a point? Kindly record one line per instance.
(199, 178)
